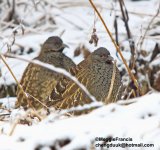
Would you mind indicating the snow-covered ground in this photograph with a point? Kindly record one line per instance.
(138, 118)
(139, 121)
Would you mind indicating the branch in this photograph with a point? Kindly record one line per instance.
(20, 87)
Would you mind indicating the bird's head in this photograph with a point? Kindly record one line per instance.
(101, 55)
(53, 43)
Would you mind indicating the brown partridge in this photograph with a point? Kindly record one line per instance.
(38, 81)
(95, 73)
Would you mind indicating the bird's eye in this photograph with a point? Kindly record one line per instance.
(102, 55)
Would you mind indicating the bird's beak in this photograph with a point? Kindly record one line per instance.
(65, 45)
(110, 58)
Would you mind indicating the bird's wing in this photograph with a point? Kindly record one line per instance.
(61, 87)
(37, 81)
(73, 94)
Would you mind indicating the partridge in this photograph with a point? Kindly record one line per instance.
(95, 73)
(37, 81)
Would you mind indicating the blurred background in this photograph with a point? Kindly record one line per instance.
(134, 24)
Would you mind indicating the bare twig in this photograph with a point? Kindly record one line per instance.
(38, 101)
(112, 83)
(35, 4)
(4, 114)
(155, 52)
(131, 42)
(28, 113)
(80, 108)
(119, 90)
(116, 30)
(150, 23)
(20, 87)
(130, 93)
(11, 12)
(128, 102)
(149, 84)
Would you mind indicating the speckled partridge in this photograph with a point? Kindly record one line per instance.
(38, 81)
(95, 73)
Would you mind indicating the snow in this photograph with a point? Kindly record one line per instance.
(8, 102)
(139, 121)
(137, 118)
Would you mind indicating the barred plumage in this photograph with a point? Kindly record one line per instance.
(38, 81)
(95, 73)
